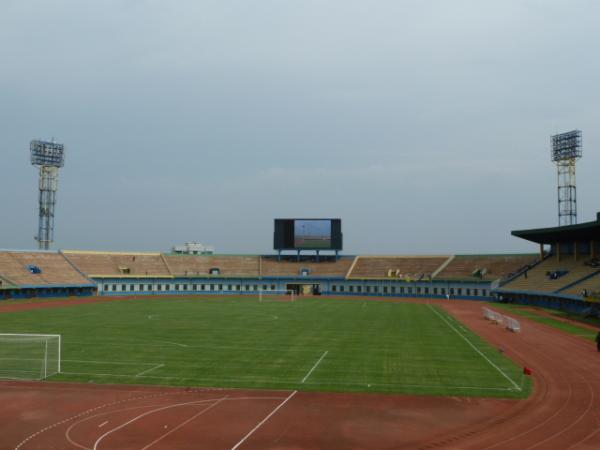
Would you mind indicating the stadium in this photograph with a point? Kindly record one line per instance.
(382, 267)
(341, 351)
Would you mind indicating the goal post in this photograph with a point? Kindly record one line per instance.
(286, 295)
(29, 356)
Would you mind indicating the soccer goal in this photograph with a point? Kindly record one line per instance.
(29, 356)
(285, 295)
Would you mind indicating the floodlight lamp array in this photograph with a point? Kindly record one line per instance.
(47, 154)
(566, 146)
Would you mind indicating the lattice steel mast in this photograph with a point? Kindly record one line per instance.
(49, 157)
(566, 150)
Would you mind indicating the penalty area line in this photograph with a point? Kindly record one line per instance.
(144, 372)
(516, 386)
(315, 366)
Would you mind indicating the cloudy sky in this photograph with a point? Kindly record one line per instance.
(424, 124)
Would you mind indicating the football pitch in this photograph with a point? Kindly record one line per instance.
(321, 344)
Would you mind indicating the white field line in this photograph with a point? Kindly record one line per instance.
(205, 347)
(96, 374)
(110, 362)
(185, 422)
(261, 422)
(130, 408)
(175, 343)
(314, 367)
(20, 378)
(102, 424)
(81, 414)
(288, 382)
(516, 386)
(147, 413)
(423, 386)
(22, 359)
(144, 372)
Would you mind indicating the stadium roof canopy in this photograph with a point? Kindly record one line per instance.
(587, 231)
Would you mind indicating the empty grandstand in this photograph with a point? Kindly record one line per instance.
(40, 274)
(485, 267)
(403, 267)
(333, 268)
(210, 266)
(116, 264)
(24, 274)
(567, 274)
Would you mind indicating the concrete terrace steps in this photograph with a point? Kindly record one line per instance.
(495, 266)
(200, 265)
(55, 269)
(590, 283)
(271, 267)
(536, 279)
(378, 267)
(119, 264)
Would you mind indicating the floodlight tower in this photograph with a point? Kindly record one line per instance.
(566, 150)
(49, 157)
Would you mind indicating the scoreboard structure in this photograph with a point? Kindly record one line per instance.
(308, 234)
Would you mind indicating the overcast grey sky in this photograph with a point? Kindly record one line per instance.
(423, 124)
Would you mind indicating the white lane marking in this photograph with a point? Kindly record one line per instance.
(199, 402)
(102, 424)
(136, 418)
(184, 423)
(54, 425)
(144, 372)
(261, 422)
(516, 386)
(314, 367)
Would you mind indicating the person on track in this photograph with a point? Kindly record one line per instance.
(598, 341)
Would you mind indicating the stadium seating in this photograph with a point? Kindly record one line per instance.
(39, 269)
(402, 267)
(271, 267)
(74, 269)
(119, 264)
(539, 277)
(484, 267)
(200, 265)
(590, 285)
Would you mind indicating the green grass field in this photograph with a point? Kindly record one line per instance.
(310, 344)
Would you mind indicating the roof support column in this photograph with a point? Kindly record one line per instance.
(541, 251)
(558, 251)
(593, 249)
(576, 250)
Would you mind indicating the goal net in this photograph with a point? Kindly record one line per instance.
(285, 295)
(29, 356)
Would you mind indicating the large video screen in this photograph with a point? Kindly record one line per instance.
(308, 234)
(312, 234)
